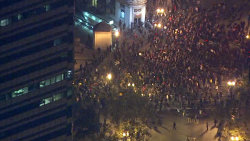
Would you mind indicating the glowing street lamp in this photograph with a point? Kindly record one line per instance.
(234, 138)
(129, 84)
(231, 83)
(109, 76)
(160, 10)
(117, 33)
(247, 37)
(159, 25)
(133, 84)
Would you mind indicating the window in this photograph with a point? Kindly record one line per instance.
(57, 96)
(57, 42)
(2, 98)
(42, 84)
(69, 92)
(122, 14)
(53, 80)
(59, 77)
(69, 74)
(51, 99)
(94, 3)
(4, 22)
(47, 82)
(46, 101)
(47, 7)
(19, 16)
(20, 92)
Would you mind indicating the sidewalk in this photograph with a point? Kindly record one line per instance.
(195, 131)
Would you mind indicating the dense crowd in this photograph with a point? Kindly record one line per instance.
(192, 55)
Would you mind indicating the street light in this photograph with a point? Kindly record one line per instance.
(117, 34)
(234, 138)
(109, 76)
(160, 10)
(231, 83)
(159, 25)
(247, 36)
(133, 84)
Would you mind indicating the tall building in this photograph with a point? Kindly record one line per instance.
(36, 67)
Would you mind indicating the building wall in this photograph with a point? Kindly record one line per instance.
(102, 40)
(36, 67)
(131, 10)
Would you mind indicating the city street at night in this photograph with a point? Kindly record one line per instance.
(124, 70)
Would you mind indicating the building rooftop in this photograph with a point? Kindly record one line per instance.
(102, 26)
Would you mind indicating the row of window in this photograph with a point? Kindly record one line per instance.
(51, 99)
(36, 30)
(51, 80)
(27, 89)
(24, 15)
(32, 50)
(33, 12)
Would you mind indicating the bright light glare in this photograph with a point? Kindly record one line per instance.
(158, 10)
(140, 54)
(232, 138)
(236, 138)
(247, 36)
(123, 134)
(162, 10)
(129, 84)
(133, 84)
(231, 83)
(159, 25)
(109, 76)
(117, 33)
(111, 22)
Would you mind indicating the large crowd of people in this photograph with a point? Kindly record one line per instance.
(186, 62)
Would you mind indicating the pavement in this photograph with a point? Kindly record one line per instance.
(194, 131)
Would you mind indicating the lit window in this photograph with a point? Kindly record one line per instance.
(4, 22)
(19, 16)
(57, 42)
(46, 101)
(57, 96)
(59, 78)
(69, 74)
(94, 3)
(53, 80)
(19, 92)
(42, 84)
(47, 82)
(47, 7)
(122, 14)
(69, 92)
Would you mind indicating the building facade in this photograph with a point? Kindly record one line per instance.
(131, 12)
(36, 65)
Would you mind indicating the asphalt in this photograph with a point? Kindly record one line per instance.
(195, 131)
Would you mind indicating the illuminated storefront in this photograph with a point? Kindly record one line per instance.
(131, 12)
